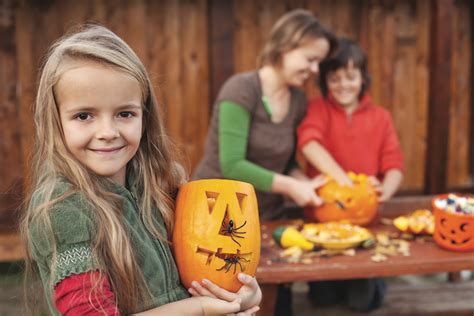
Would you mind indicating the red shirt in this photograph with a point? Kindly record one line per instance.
(364, 142)
(76, 295)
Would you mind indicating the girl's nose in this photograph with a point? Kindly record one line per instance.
(107, 129)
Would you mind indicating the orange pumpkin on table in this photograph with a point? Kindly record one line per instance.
(217, 232)
(357, 204)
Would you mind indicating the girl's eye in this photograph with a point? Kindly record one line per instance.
(126, 114)
(82, 116)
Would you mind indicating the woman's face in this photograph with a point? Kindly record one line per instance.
(299, 63)
(344, 85)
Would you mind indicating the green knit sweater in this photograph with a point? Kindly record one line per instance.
(74, 227)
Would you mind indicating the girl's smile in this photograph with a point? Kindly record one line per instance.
(101, 115)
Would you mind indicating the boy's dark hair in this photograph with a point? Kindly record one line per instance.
(347, 50)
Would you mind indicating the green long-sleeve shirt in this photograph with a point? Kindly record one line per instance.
(243, 142)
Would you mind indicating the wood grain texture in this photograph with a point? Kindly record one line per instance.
(460, 106)
(425, 258)
(10, 152)
(440, 96)
(174, 39)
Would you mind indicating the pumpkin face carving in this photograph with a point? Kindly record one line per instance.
(357, 204)
(453, 231)
(217, 232)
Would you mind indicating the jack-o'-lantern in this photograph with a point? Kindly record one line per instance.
(453, 231)
(357, 204)
(217, 232)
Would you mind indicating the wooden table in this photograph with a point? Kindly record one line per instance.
(426, 257)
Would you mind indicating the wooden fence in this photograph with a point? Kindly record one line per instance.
(420, 58)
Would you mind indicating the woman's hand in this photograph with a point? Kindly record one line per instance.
(304, 192)
(249, 293)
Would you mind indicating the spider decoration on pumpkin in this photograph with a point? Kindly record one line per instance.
(233, 232)
(233, 262)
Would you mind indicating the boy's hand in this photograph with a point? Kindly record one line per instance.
(383, 195)
(250, 293)
(343, 180)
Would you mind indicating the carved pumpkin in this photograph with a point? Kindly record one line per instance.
(357, 204)
(453, 231)
(217, 232)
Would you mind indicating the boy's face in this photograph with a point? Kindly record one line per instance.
(299, 63)
(101, 115)
(344, 85)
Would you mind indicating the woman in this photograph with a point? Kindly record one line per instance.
(252, 136)
(252, 133)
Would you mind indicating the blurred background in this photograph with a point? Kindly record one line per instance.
(420, 57)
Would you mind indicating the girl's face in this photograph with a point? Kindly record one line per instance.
(101, 115)
(344, 85)
(297, 64)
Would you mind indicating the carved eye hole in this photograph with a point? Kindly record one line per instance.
(463, 227)
(211, 200)
(443, 222)
(242, 198)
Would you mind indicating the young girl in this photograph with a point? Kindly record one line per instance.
(104, 180)
(344, 131)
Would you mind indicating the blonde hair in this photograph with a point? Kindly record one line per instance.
(153, 169)
(290, 31)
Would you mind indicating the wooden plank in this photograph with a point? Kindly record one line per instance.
(428, 299)
(269, 297)
(420, 105)
(11, 247)
(471, 79)
(10, 152)
(426, 257)
(245, 36)
(195, 78)
(27, 65)
(374, 53)
(221, 50)
(404, 106)
(460, 85)
(439, 96)
(403, 205)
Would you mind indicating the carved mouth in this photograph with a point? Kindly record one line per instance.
(230, 260)
(454, 242)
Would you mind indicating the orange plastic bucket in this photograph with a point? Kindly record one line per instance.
(453, 231)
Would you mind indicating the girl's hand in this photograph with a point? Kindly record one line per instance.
(214, 306)
(250, 293)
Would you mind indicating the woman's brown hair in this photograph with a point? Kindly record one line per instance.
(291, 31)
